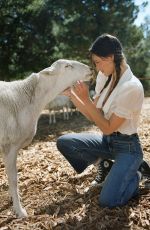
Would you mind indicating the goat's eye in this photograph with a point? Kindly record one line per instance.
(68, 65)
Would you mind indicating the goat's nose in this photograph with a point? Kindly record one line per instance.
(93, 71)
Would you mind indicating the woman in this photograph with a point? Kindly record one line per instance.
(115, 111)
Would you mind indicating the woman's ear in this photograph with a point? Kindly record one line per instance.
(48, 71)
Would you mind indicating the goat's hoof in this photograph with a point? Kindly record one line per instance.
(21, 214)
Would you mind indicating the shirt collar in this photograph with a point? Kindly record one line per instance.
(127, 75)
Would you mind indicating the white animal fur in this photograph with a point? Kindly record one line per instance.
(21, 103)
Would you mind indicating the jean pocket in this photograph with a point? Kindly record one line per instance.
(124, 147)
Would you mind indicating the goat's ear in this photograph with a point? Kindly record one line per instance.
(48, 71)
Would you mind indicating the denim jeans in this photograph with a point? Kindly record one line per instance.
(122, 182)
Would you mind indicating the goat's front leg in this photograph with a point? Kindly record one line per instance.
(10, 158)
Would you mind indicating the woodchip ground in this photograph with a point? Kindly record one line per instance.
(55, 197)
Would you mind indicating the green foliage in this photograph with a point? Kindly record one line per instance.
(138, 53)
(35, 33)
(25, 40)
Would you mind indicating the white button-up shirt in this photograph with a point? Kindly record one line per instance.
(125, 100)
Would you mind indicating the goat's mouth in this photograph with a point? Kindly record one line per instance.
(90, 77)
(91, 74)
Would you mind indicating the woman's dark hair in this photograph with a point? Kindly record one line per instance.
(106, 45)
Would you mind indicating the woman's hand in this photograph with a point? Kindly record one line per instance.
(79, 95)
(67, 92)
(81, 90)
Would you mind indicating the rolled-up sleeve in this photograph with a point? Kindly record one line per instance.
(128, 101)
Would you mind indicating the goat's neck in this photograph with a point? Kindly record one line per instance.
(47, 89)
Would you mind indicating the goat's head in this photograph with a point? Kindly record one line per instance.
(67, 72)
(70, 71)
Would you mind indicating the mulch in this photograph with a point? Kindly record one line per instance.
(55, 197)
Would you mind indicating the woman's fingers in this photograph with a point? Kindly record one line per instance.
(66, 92)
(78, 86)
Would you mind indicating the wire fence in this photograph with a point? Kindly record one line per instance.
(143, 78)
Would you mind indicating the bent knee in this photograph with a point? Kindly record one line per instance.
(63, 142)
(61, 139)
(60, 142)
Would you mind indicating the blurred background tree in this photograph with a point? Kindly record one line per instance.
(35, 33)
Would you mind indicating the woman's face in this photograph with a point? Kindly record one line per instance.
(104, 64)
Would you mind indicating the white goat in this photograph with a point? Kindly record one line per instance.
(60, 102)
(21, 103)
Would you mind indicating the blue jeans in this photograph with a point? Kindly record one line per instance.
(122, 182)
